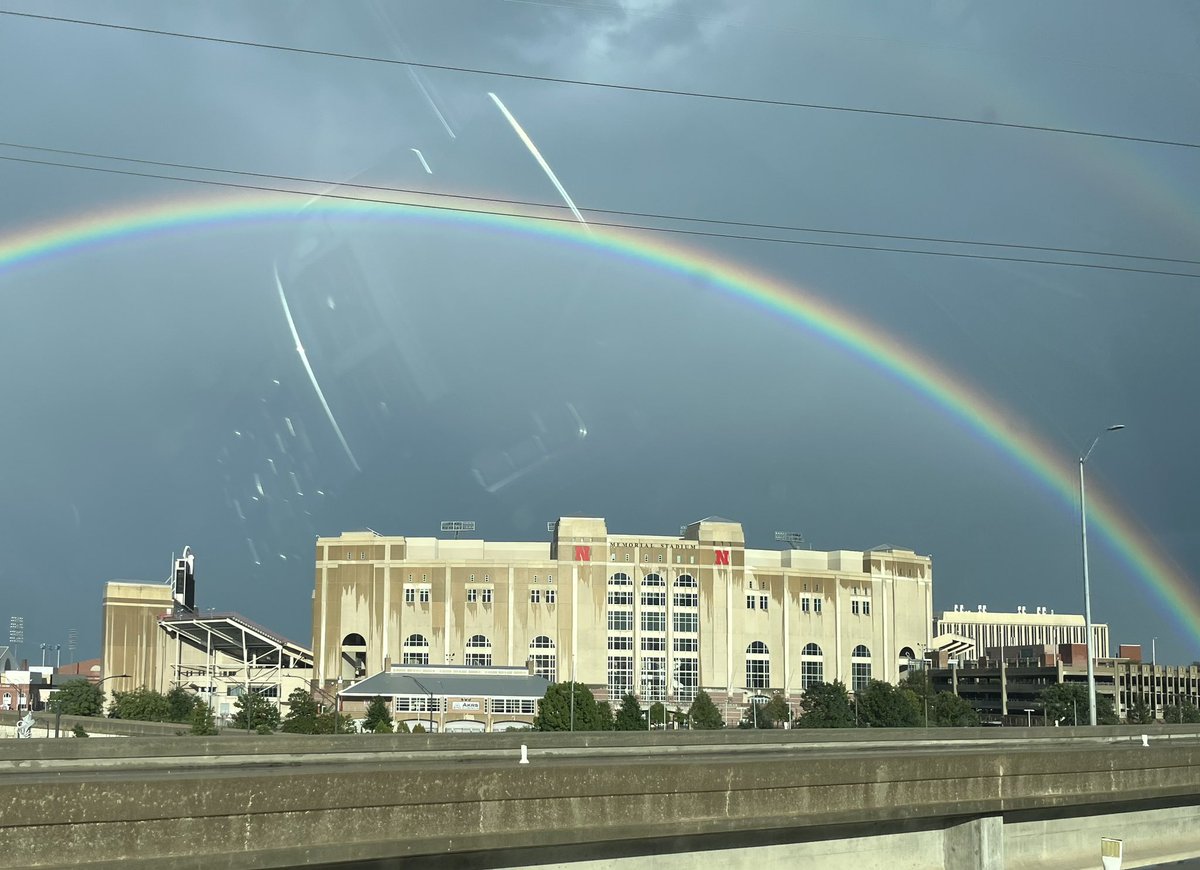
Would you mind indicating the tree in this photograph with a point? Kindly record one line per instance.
(180, 704)
(657, 714)
(826, 705)
(606, 715)
(704, 714)
(302, 713)
(78, 698)
(203, 722)
(554, 710)
(379, 717)
(1179, 714)
(334, 723)
(948, 710)
(255, 710)
(1139, 713)
(629, 715)
(79, 731)
(882, 705)
(140, 705)
(1068, 703)
(418, 729)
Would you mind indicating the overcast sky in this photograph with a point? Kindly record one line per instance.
(149, 383)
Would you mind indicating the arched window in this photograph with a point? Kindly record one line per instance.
(620, 579)
(860, 668)
(479, 652)
(758, 666)
(907, 653)
(686, 597)
(354, 653)
(415, 650)
(545, 662)
(654, 597)
(812, 666)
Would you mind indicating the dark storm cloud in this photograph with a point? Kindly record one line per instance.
(734, 412)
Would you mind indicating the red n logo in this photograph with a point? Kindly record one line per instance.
(722, 557)
(583, 554)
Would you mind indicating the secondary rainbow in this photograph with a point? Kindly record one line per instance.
(978, 413)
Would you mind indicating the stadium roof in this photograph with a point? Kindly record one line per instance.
(238, 637)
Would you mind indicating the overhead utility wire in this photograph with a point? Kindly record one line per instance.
(606, 224)
(642, 89)
(196, 167)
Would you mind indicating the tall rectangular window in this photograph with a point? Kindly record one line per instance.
(652, 621)
(620, 676)
(620, 620)
(550, 596)
(487, 596)
(535, 596)
(654, 678)
(686, 679)
(854, 607)
(410, 595)
(804, 605)
(816, 605)
(762, 602)
(866, 608)
(472, 596)
(424, 596)
(860, 675)
(749, 602)
(685, 622)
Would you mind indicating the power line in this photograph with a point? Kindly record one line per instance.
(195, 167)
(605, 224)
(641, 89)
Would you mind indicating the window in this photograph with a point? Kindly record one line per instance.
(812, 666)
(654, 644)
(758, 666)
(817, 605)
(620, 596)
(472, 578)
(654, 621)
(686, 581)
(687, 622)
(472, 596)
(654, 599)
(425, 596)
(749, 602)
(686, 679)
(545, 662)
(620, 676)
(629, 558)
(654, 678)
(866, 608)
(551, 596)
(513, 705)
(617, 641)
(620, 620)
(479, 652)
(653, 580)
(687, 644)
(687, 599)
(410, 595)
(420, 704)
(535, 578)
(620, 579)
(762, 602)
(487, 578)
(804, 604)
(549, 578)
(854, 607)
(860, 668)
(487, 596)
(415, 650)
(535, 596)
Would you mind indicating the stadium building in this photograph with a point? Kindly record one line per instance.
(657, 616)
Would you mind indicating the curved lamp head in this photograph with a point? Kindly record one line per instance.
(1115, 428)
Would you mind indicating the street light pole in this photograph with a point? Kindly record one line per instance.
(1087, 588)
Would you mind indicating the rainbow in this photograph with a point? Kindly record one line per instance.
(977, 412)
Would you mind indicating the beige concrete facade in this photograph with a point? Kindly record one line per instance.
(658, 616)
(130, 642)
